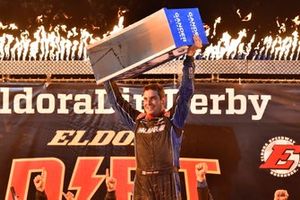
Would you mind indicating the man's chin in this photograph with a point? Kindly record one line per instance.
(149, 112)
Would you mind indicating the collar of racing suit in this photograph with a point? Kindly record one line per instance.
(150, 117)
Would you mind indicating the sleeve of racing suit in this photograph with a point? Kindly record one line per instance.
(180, 108)
(120, 105)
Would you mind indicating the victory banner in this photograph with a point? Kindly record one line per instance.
(248, 134)
(145, 44)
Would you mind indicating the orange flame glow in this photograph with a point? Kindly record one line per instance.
(270, 47)
(58, 43)
(62, 43)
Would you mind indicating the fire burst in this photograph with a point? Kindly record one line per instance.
(267, 48)
(60, 43)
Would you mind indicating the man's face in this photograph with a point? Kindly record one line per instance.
(153, 104)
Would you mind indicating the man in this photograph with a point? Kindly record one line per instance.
(202, 187)
(39, 183)
(204, 193)
(69, 196)
(111, 184)
(158, 133)
(281, 195)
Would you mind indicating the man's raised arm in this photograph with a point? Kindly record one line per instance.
(120, 105)
(181, 107)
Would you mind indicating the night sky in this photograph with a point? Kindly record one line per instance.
(103, 13)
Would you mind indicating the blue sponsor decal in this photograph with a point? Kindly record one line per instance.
(184, 23)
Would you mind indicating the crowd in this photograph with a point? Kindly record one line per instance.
(111, 185)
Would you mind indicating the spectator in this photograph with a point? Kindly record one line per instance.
(39, 183)
(111, 184)
(69, 195)
(202, 187)
(281, 195)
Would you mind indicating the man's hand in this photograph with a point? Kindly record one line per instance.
(39, 181)
(197, 45)
(281, 195)
(111, 183)
(69, 195)
(201, 169)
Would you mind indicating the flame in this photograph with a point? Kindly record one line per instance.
(246, 18)
(2, 26)
(227, 47)
(60, 42)
(207, 30)
(296, 20)
(281, 26)
(39, 19)
(239, 13)
(269, 47)
(279, 48)
(9, 26)
(217, 21)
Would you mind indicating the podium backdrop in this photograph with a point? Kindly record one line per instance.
(249, 134)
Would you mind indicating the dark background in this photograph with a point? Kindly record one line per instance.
(235, 140)
(103, 13)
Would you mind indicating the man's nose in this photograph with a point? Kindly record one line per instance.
(147, 102)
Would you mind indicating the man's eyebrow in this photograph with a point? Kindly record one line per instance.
(151, 96)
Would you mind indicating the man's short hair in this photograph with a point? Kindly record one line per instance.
(156, 87)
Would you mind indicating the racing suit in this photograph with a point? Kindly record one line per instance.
(157, 140)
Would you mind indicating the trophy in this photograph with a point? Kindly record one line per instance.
(152, 41)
